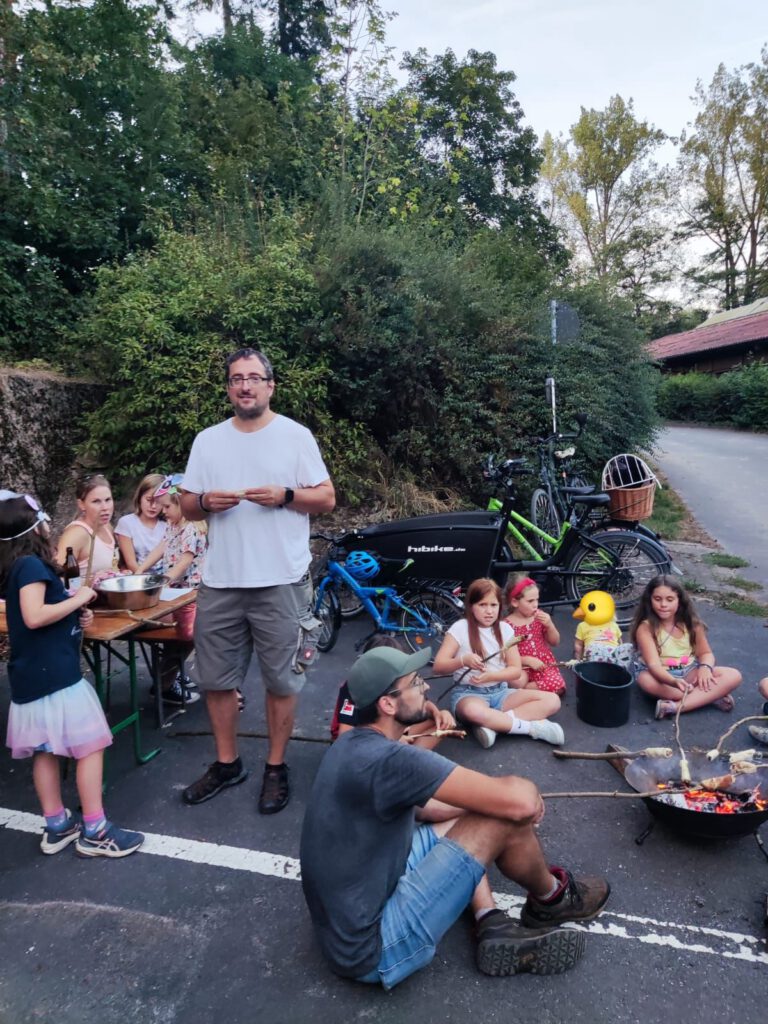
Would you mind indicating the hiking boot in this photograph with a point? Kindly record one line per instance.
(53, 841)
(275, 789)
(484, 736)
(504, 948)
(576, 899)
(110, 842)
(548, 731)
(218, 777)
(665, 708)
(757, 732)
(177, 696)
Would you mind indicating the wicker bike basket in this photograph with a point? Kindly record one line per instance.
(631, 484)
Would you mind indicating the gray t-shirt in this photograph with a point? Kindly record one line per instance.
(356, 838)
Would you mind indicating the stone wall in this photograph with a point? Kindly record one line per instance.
(42, 423)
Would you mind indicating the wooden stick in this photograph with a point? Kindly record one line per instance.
(88, 572)
(615, 793)
(438, 733)
(611, 755)
(741, 721)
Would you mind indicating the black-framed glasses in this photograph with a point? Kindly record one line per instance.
(251, 378)
(417, 684)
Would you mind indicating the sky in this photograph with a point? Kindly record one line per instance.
(570, 54)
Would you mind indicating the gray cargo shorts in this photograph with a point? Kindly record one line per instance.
(234, 622)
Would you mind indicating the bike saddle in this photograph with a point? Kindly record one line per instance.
(591, 500)
(583, 489)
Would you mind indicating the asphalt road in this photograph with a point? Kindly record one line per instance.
(208, 923)
(722, 475)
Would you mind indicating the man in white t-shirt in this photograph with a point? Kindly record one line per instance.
(256, 478)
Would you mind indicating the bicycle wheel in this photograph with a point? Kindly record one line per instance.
(328, 610)
(544, 515)
(439, 608)
(623, 566)
(350, 604)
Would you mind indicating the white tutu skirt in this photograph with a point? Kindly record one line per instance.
(69, 722)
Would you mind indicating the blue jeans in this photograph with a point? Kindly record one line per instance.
(439, 879)
(494, 694)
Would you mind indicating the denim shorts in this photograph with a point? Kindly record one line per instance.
(493, 695)
(440, 877)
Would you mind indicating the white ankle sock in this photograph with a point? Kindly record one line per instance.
(518, 726)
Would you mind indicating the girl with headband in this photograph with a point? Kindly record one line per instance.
(539, 636)
(54, 712)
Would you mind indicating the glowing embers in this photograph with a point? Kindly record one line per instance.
(710, 802)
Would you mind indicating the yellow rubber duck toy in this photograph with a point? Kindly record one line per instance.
(598, 628)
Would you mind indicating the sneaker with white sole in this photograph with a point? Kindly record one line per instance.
(485, 737)
(110, 842)
(548, 731)
(54, 840)
(178, 696)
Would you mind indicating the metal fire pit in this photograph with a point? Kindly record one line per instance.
(646, 773)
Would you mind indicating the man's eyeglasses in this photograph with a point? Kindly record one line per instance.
(417, 684)
(251, 378)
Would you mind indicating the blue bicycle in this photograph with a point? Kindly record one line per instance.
(421, 615)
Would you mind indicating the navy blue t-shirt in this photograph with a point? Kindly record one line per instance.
(42, 660)
(356, 838)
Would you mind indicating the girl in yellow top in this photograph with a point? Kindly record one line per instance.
(675, 654)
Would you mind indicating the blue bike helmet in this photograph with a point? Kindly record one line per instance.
(361, 565)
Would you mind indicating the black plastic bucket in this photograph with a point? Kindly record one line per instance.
(602, 693)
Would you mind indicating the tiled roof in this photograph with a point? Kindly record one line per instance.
(708, 337)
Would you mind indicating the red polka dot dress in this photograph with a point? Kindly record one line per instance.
(535, 646)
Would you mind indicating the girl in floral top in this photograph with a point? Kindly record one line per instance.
(182, 552)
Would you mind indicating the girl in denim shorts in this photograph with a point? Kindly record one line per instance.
(480, 652)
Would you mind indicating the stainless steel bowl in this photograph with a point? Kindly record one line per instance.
(139, 590)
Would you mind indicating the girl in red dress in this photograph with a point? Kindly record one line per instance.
(540, 671)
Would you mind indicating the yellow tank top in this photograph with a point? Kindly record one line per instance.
(674, 649)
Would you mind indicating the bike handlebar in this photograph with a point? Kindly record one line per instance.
(581, 420)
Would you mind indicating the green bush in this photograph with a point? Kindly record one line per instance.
(158, 329)
(738, 398)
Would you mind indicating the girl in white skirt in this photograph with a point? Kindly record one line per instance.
(54, 712)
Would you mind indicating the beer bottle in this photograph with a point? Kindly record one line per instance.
(71, 568)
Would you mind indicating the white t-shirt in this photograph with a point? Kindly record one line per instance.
(460, 633)
(249, 545)
(144, 538)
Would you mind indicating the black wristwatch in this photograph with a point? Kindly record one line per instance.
(288, 497)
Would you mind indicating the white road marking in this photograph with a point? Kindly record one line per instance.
(670, 934)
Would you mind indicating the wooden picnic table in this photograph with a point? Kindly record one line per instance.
(99, 648)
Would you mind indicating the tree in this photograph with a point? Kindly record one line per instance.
(92, 148)
(724, 176)
(604, 191)
(483, 160)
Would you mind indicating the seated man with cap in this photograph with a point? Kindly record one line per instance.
(382, 892)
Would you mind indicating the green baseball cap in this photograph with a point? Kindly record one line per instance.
(376, 671)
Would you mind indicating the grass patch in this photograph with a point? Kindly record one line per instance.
(669, 514)
(694, 587)
(742, 605)
(742, 584)
(725, 561)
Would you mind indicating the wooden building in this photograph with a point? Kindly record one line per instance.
(723, 342)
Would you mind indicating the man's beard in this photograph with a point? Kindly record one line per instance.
(413, 718)
(253, 412)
